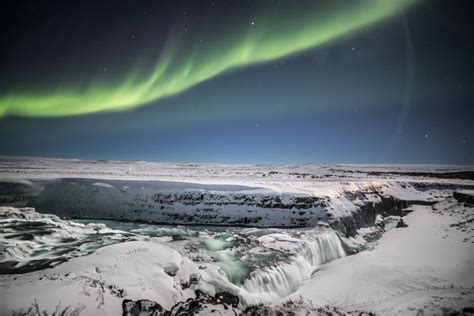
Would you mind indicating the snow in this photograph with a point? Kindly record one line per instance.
(427, 266)
(279, 281)
(301, 257)
(323, 179)
(25, 234)
(467, 192)
(253, 195)
(104, 185)
(342, 257)
(408, 269)
(136, 270)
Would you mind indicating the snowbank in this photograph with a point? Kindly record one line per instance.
(100, 281)
(428, 266)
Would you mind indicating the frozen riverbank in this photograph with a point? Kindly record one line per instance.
(345, 196)
(427, 266)
(257, 265)
(260, 234)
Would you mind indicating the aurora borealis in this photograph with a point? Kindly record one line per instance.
(265, 38)
(239, 81)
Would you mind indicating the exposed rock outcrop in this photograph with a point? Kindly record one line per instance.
(348, 208)
(464, 196)
(203, 303)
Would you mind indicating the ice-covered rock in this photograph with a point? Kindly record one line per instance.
(32, 241)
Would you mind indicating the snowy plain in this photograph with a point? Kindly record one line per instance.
(323, 235)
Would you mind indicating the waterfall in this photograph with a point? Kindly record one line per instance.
(279, 281)
(324, 248)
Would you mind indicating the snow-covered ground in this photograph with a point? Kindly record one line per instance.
(427, 266)
(255, 195)
(314, 234)
(302, 178)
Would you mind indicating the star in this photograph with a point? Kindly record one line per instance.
(253, 23)
(426, 135)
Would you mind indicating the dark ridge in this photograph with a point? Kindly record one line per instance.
(462, 175)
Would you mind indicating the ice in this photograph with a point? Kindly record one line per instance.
(266, 233)
(279, 281)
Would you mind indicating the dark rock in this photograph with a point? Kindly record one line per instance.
(171, 270)
(292, 308)
(468, 310)
(141, 307)
(194, 279)
(227, 298)
(464, 197)
(401, 224)
(464, 175)
(191, 306)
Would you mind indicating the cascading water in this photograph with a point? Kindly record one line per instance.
(30, 241)
(285, 278)
(264, 265)
(324, 248)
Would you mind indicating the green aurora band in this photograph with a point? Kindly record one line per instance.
(182, 65)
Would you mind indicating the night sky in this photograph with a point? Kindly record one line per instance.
(239, 81)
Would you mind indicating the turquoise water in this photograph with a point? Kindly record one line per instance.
(39, 243)
(267, 263)
(225, 245)
(36, 244)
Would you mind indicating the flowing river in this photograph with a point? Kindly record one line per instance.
(270, 263)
